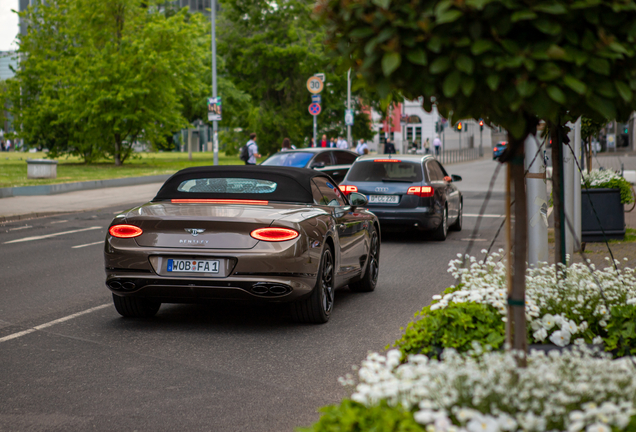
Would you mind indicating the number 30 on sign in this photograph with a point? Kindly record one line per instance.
(314, 85)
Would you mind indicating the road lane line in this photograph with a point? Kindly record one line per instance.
(484, 215)
(21, 228)
(51, 235)
(52, 323)
(87, 244)
(56, 222)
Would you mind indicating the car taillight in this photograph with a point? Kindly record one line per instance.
(495, 149)
(421, 191)
(347, 189)
(386, 160)
(125, 231)
(274, 234)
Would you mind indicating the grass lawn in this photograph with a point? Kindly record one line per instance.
(13, 167)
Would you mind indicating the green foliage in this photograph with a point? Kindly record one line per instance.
(615, 183)
(621, 331)
(456, 326)
(352, 416)
(269, 51)
(509, 62)
(97, 76)
(590, 127)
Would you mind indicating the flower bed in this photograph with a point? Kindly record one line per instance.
(561, 307)
(570, 391)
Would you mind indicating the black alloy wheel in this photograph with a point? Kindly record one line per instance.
(136, 307)
(442, 230)
(370, 278)
(317, 307)
(457, 226)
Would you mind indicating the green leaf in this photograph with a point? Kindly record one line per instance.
(493, 81)
(555, 52)
(523, 15)
(526, 88)
(384, 4)
(603, 106)
(448, 16)
(624, 90)
(417, 56)
(598, 65)
(551, 8)
(617, 47)
(556, 95)
(468, 85)
(451, 84)
(465, 64)
(439, 65)
(435, 44)
(546, 26)
(390, 62)
(574, 84)
(548, 72)
(481, 46)
(361, 32)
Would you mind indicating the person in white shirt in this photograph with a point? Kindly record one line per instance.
(252, 148)
(342, 143)
(362, 147)
(437, 143)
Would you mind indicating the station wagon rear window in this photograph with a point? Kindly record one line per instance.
(228, 186)
(372, 171)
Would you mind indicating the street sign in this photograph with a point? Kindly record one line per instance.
(314, 109)
(349, 117)
(214, 109)
(322, 76)
(316, 99)
(314, 85)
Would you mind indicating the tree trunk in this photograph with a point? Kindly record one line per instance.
(557, 193)
(589, 154)
(516, 325)
(117, 154)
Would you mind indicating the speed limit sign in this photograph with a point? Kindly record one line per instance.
(314, 85)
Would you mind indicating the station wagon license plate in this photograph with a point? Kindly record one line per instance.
(384, 199)
(193, 266)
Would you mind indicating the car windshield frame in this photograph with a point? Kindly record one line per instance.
(299, 159)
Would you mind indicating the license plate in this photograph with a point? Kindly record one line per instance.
(193, 266)
(384, 199)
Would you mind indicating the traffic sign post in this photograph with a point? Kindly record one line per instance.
(314, 109)
(316, 99)
(314, 85)
(349, 117)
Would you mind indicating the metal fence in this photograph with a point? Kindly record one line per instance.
(459, 155)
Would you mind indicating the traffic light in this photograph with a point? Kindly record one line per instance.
(481, 125)
(459, 126)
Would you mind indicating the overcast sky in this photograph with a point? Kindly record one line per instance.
(8, 24)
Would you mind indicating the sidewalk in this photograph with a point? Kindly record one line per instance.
(28, 207)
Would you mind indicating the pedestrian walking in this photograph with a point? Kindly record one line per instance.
(286, 145)
(389, 147)
(437, 143)
(7, 146)
(2, 145)
(332, 143)
(324, 142)
(427, 146)
(311, 142)
(362, 147)
(250, 150)
(342, 143)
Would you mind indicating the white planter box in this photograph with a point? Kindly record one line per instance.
(41, 169)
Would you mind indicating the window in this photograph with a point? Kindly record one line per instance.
(434, 171)
(385, 171)
(320, 159)
(292, 159)
(413, 119)
(228, 186)
(344, 158)
(331, 195)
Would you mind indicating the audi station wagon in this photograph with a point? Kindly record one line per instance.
(255, 233)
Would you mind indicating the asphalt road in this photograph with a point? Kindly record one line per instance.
(74, 364)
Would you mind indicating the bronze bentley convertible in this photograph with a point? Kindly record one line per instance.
(257, 233)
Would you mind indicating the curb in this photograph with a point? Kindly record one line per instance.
(54, 189)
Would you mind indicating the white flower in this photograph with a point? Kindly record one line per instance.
(424, 417)
(560, 338)
(482, 423)
(465, 414)
(597, 340)
(506, 423)
(548, 321)
(577, 426)
(442, 424)
(597, 427)
(540, 334)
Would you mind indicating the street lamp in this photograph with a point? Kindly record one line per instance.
(215, 124)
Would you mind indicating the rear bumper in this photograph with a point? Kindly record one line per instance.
(423, 218)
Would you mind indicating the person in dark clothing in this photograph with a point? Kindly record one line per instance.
(389, 147)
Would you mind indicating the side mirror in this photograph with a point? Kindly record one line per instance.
(357, 199)
(317, 165)
(456, 178)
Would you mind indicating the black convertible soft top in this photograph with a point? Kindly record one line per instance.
(294, 184)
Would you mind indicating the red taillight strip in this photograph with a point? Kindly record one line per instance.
(347, 189)
(386, 160)
(422, 191)
(219, 201)
(125, 231)
(274, 234)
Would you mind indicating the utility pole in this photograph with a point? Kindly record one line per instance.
(215, 124)
(537, 202)
(348, 107)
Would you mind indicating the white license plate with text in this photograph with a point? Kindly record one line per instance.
(384, 199)
(193, 265)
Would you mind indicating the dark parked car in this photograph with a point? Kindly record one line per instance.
(499, 149)
(275, 234)
(409, 191)
(332, 161)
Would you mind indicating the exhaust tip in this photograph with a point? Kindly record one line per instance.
(129, 286)
(114, 285)
(278, 290)
(260, 289)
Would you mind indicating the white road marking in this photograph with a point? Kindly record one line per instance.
(56, 222)
(52, 323)
(474, 239)
(87, 244)
(484, 215)
(51, 235)
(21, 228)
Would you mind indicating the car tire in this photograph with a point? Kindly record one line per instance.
(316, 309)
(457, 226)
(135, 307)
(370, 278)
(442, 230)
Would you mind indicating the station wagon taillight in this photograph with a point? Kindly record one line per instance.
(274, 234)
(347, 189)
(125, 231)
(421, 191)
